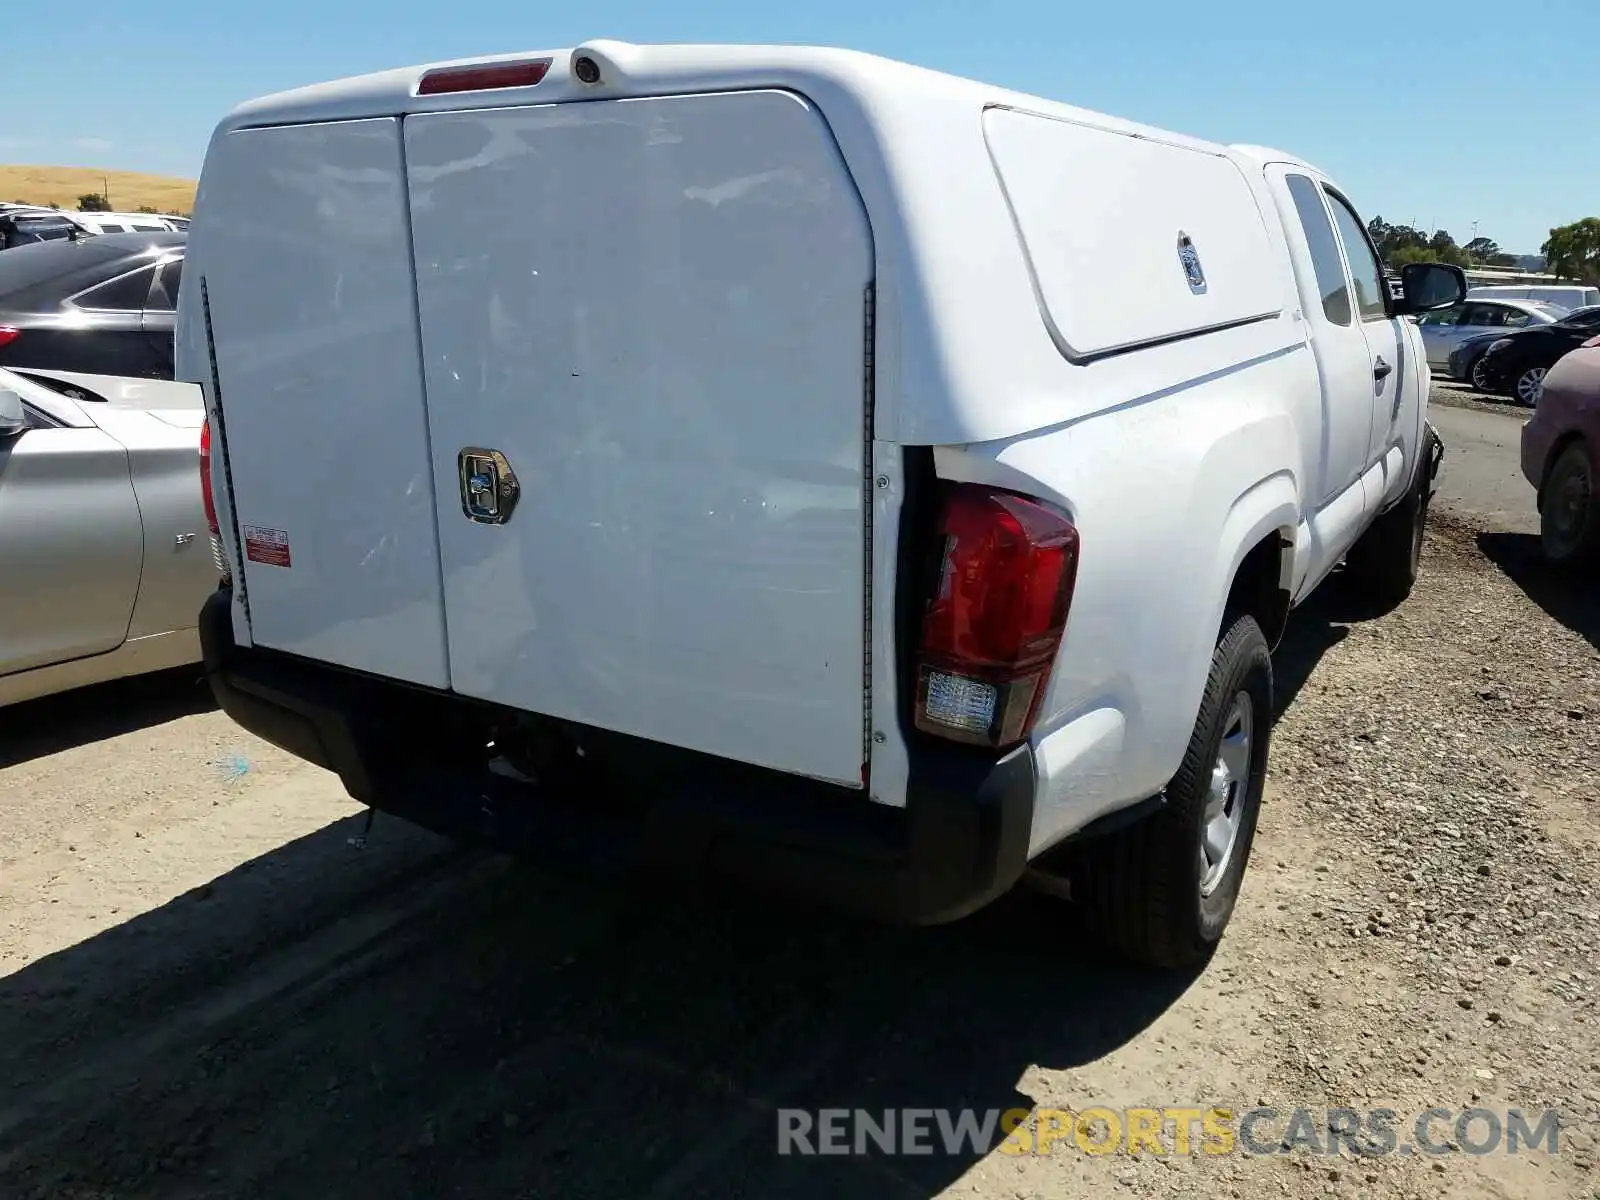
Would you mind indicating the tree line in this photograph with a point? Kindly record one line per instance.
(1401, 244)
(1572, 251)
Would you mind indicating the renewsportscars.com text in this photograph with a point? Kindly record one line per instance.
(1368, 1133)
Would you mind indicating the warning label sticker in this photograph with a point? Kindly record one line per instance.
(263, 545)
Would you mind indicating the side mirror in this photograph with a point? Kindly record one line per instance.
(13, 420)
(1427, 286)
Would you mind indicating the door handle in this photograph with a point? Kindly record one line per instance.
(489, 487)
(1381, 369)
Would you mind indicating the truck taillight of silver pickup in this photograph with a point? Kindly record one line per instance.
(791, 466)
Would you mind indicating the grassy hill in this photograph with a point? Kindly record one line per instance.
(61, 187)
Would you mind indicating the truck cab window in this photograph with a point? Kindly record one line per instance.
(1365, 270)
(1325, 260)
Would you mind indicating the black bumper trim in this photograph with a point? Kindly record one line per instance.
(960, 841)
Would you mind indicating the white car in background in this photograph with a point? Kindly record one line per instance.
(106, 561)
(1446, 328)
(118, 222)
(1567, 295)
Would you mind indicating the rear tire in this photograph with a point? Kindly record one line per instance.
(1569, 510)
(1161, 891)
(1528, 386)
(1384, 563)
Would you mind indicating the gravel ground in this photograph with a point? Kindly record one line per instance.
(1462, 395)
(206, 990)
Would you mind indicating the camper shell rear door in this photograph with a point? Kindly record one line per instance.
(651, 314)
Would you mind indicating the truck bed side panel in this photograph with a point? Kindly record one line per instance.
(655, 310)
(306, 263)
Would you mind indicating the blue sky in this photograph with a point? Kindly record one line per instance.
(1442, 113)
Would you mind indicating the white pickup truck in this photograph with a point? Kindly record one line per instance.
(791, 465)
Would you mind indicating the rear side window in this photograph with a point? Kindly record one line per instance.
(164, 296)
(1516, 318)
(1325, 260)
(127, 292)
(38, 231)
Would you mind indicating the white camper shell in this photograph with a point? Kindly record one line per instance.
(634, 397)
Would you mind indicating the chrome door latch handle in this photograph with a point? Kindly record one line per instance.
(489, 487)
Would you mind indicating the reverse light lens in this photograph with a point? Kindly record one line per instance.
(992, 629)
(483, 78)
(953, 702)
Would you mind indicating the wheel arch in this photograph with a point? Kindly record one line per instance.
(1558, 447)
(1258, 573)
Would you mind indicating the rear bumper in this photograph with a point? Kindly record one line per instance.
(960, 841)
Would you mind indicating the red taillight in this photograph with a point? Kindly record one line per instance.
(1000, 606)
(9, 334)
(205, 477)
(486, 77)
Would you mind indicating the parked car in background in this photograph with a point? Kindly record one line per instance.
(1465, 364)
(1444, 330)
(102, 529)
(1516, 364)
(1560, 452)
(115, 222)
(24, 226)
(1466, 360)
(103, 304)
(1568, 295)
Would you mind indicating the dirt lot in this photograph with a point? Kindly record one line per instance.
(207, 990)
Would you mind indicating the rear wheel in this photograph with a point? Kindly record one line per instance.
(1569, 510)
(1529, 386)
(1162, 891)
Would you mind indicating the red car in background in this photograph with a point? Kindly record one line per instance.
(1560, 455)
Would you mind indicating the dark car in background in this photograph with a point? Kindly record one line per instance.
(1466, 360)
(1517, 363)
(104, 305)
(1560, 457)
(23, 227)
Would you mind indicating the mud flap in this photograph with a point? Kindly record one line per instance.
(1432, 456)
